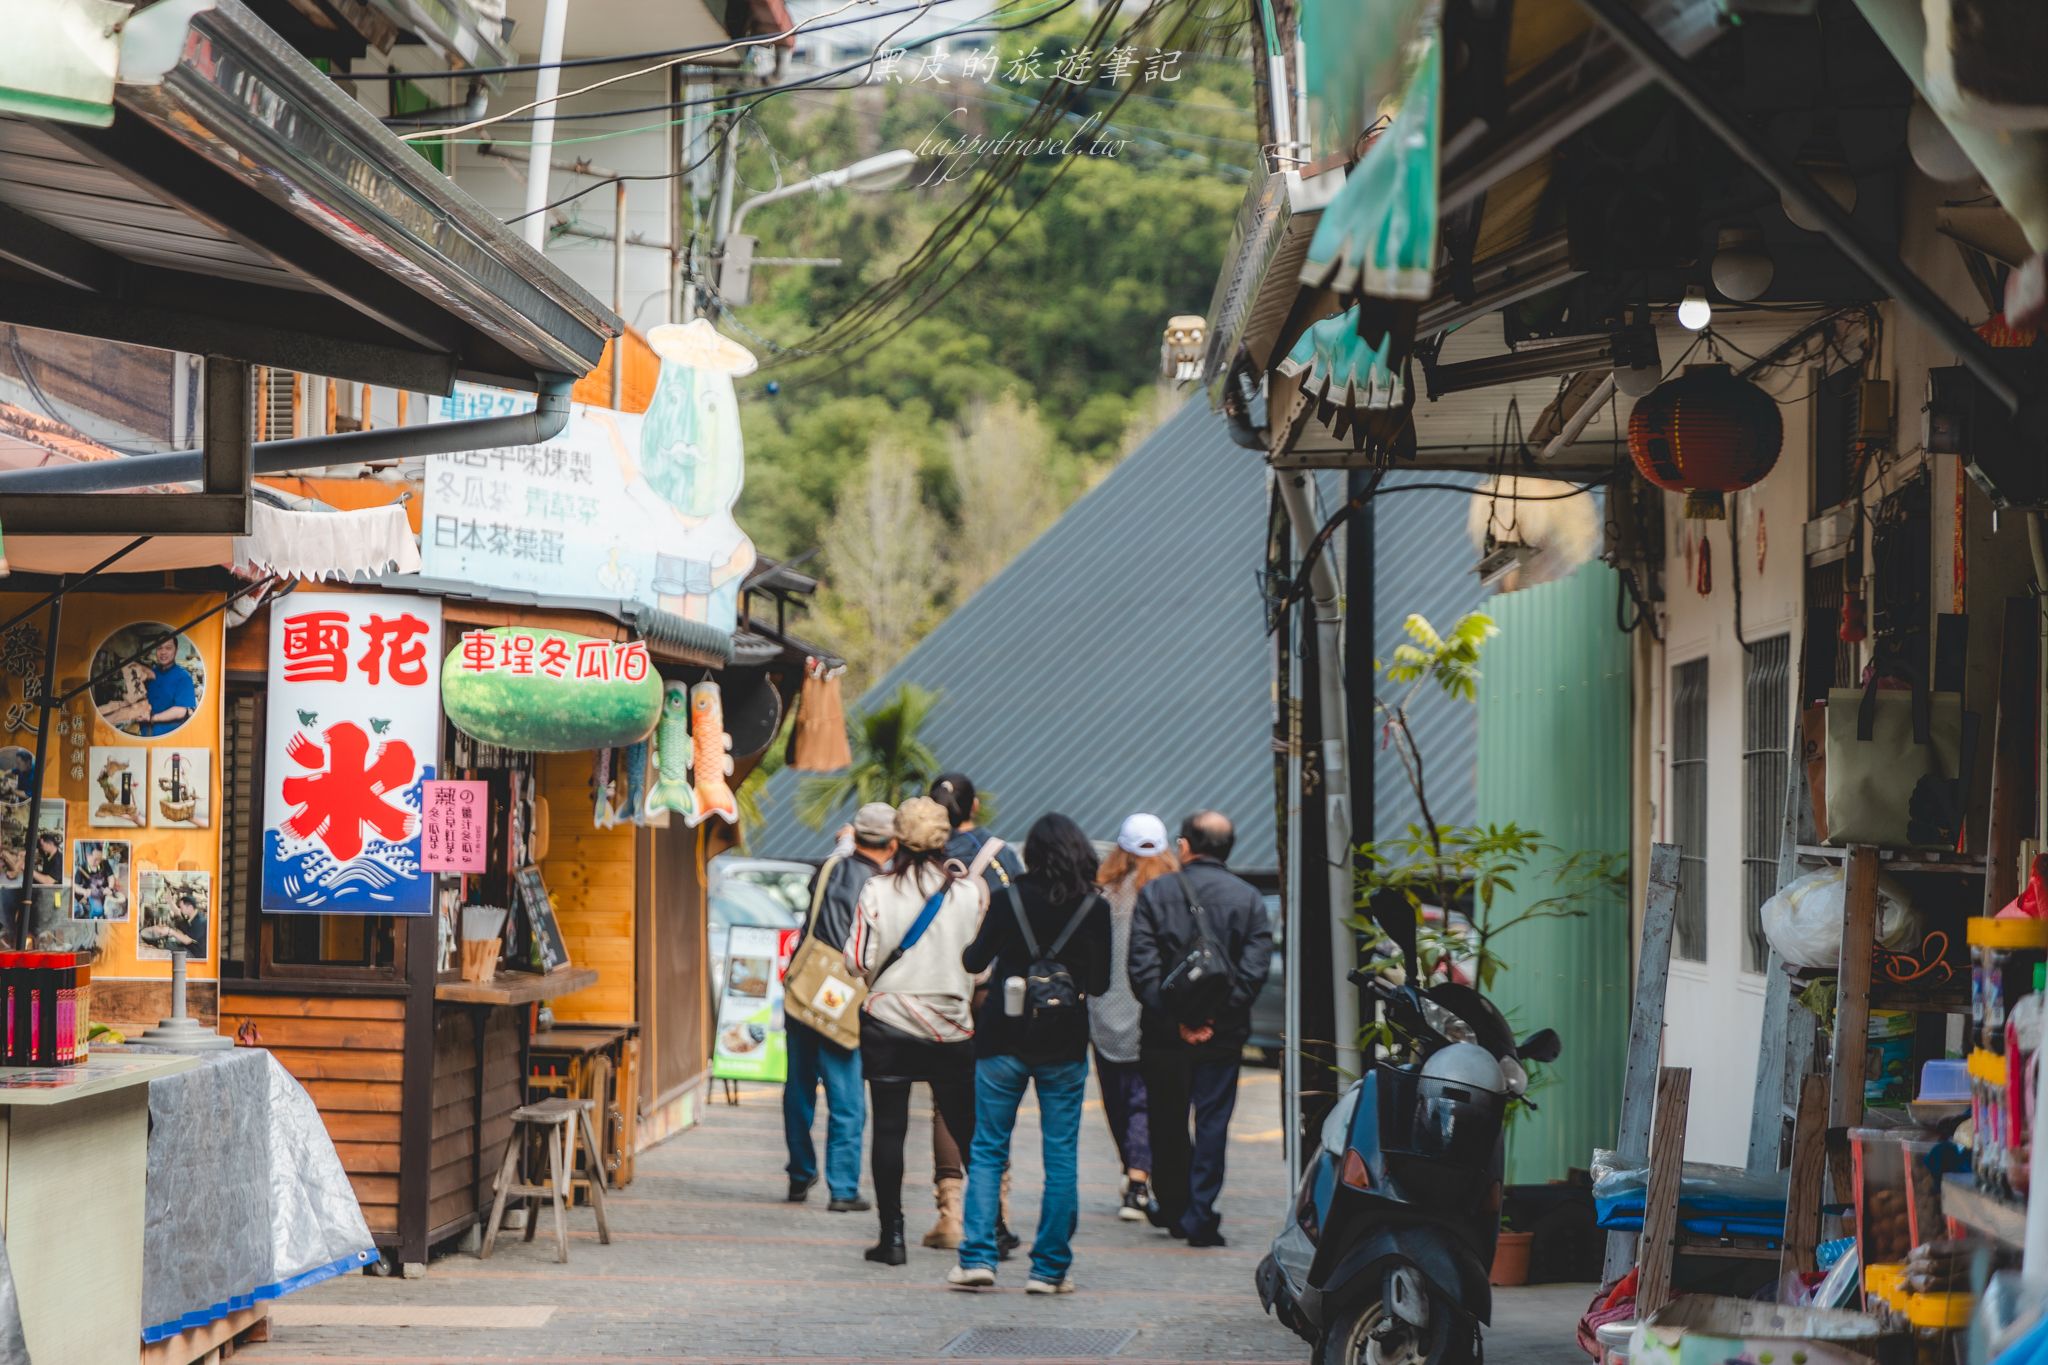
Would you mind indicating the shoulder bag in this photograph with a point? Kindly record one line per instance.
(818, 991)
(1198, 982)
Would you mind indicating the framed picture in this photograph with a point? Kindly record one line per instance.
(116, 791)
(180, 900)
(548, 952)
(47, 873)
(17, 770)
(147, 680)
(180, 794)
(101, 888)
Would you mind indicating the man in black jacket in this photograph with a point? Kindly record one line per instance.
(835, 896)
(1191, 1041)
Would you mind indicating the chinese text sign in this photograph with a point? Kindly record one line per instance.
(456, 834)
(353, 727)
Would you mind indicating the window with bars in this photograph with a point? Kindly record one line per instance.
(1766, 754)
(1689, 806)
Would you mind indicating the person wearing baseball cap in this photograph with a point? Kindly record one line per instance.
(1143, 851)
(813, 1058)
(911, 928)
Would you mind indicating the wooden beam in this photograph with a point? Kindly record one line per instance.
(1852, 1002)
(1660, 1199)
(1809, 1168)
(2010, 817)
(1645, 1033)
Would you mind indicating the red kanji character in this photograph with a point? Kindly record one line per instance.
(348, 790)
(397, 646)
(594, 660)
(554, 657)
(479, 651)
(316, 647)
(519, 655)
(632, 664)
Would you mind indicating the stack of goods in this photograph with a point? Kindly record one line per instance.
(1898, 1201)
(2007, 985)
(47, 999)
(1928, 1295)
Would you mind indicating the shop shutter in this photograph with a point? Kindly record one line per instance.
(1689, 806)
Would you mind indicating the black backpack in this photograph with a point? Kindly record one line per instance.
(1198, 982)
(1050, 994)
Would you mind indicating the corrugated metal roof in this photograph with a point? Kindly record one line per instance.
(1121, 661)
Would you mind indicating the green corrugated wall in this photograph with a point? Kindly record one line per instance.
(1553, 757)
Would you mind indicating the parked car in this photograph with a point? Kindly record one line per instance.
(734, 901)
(787, 879)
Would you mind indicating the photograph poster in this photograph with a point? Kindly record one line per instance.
(100, 879)
(180, 789)
(181, 901)
(752, 1044)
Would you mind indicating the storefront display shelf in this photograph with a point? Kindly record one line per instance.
(516, 988)
(1904, 859)
(1983, 1213)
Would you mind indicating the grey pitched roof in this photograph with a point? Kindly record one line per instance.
(1121, 661)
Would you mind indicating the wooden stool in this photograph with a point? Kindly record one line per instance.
(558, 1121)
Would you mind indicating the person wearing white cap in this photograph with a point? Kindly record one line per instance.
(1143, 851)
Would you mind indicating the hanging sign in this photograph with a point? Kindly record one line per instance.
(455, 834)
(550, 691)
(352, 735)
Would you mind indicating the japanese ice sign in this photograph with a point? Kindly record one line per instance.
(352, 732)
(624, 506)
(457, 827)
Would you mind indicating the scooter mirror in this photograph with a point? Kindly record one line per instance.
(1394, 915)
(1543, 1046)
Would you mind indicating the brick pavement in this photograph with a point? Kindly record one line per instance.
(709, 1267)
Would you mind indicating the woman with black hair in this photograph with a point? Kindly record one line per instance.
(1047, 936)
(911, 928)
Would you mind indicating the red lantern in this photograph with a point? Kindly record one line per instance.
(1704, 434)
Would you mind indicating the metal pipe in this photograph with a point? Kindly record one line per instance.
(618, 343)
(1579, 420)
(1326, 595)
(546, 85)
(1798, 189)
(1291, 949)
(549, 416)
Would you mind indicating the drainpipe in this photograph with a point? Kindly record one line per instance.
(1326, 596)
(546, 85)
(619, 294)
(549, 416)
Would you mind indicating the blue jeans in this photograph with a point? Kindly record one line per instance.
(813, 1058)
(998, 1089)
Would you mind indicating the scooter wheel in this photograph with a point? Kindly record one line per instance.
(1358, 1337)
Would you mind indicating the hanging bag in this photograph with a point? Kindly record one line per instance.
(1893, 763)
(1198, 982)
(819, 992)
(1050, 994)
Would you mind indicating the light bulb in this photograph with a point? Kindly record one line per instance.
(1636, 380)
(1694, 312)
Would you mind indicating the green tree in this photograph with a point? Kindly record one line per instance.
(891, 761)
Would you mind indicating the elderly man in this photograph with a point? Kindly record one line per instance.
(835, 893)
(1193, 1026)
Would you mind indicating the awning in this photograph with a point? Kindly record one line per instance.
(240, 204)
(288, 543)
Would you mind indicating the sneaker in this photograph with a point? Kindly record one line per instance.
(853, 1205)
(971, 1277)
(1063, 1285)
(1137, 1202)
(800, 1190)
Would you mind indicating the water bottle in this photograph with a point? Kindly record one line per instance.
(1013, 996)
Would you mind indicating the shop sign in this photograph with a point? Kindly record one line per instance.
(752, 1043)
(550, 691)
(619, 506)
(353, 729)
(456, 827)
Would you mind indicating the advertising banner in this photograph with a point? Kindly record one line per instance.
(456, 836)
(353, 729)
(752, 1042)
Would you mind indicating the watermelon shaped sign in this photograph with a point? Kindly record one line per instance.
(550, 691)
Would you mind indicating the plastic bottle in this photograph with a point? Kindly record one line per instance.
(2024, 1029)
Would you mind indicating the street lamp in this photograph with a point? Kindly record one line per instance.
(736, 249)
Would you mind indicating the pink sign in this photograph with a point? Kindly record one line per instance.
(455, 830)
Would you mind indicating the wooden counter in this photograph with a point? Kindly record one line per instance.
(515, 988)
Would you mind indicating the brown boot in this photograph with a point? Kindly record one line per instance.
(945, 1233)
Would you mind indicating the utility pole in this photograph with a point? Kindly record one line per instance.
(546, 85)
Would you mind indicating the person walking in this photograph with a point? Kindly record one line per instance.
(979, 851)
(813, 1058)
(1194, 1023)
(1142, 855)
(1047, 937)
(911, 929)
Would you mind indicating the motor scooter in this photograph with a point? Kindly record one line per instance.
(1385, 1254)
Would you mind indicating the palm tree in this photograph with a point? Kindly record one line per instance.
(890, 761)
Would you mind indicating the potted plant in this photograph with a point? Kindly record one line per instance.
(1510, 1256)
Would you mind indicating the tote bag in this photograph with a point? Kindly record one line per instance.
(819, 992)
(1893, 765)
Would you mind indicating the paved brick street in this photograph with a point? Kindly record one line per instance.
(709, 1266)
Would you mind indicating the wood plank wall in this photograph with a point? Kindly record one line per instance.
(460, 1184)
(589, 872)
(348, 1051)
